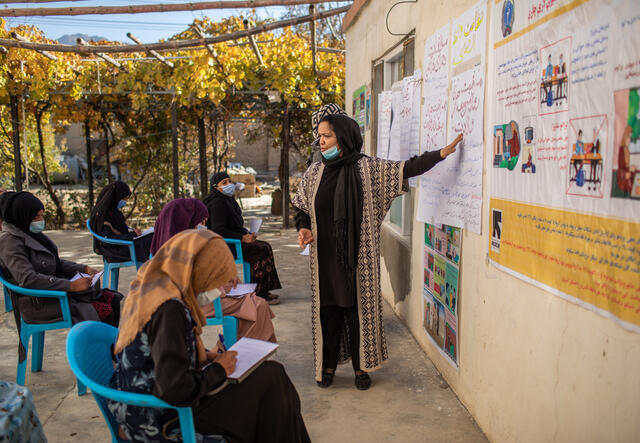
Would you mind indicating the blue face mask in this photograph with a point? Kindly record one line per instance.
(332, 153)
(229, 189)
(37, 227)
(121, 204)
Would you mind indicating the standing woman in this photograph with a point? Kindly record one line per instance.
(342, 202)
(225, 219)
(108, 221)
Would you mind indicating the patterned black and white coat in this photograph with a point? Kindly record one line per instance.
(382, 181)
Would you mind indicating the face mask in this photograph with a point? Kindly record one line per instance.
(121, 204)
(331, 153)
(228, 189)
(37, 227)
(201, 227)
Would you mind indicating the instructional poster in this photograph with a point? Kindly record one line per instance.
(441, 283)
(359, 108)
(565, 162)
(451, 192)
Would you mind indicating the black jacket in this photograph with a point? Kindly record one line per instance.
(225, 215)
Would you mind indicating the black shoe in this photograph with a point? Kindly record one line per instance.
(363, 381)
(327, 379)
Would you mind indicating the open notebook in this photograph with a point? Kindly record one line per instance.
(251, 353)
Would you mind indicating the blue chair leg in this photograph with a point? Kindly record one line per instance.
(82, 389)
(25, 335)
(37, 350)
(8, 306)
(114, 277)
(230, 330)
(187, 426)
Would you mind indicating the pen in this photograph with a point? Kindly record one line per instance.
(221, 337)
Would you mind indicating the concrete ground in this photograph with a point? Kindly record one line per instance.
(408, 402)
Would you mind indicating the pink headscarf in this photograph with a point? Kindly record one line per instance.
(177, 216)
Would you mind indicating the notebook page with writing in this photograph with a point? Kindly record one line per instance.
(251, 353)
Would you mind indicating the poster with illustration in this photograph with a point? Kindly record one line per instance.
(442, 245)
(564, 207)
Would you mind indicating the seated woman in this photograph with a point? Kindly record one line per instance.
(108, 221)
(225, 218)
(159, 351)
(253, 313)
(31, 261)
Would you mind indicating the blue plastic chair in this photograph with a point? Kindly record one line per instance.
(37, 330)
(8, 306)
(229, 323)
(246, 267)
(89, 355)
(112, 270)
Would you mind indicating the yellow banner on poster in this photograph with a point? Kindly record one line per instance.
(587, 259)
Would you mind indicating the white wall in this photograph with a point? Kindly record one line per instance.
(533, 367)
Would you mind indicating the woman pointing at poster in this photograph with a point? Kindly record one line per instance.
(342, 202)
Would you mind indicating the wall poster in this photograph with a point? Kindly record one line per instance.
(565, 162)
(440, 291)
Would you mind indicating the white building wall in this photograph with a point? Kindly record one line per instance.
(533, 367)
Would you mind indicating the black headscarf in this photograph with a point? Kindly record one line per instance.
(106, 209)
(235, 212)
(347, 198)
(217, 178)
(19, 209)
(3, 196)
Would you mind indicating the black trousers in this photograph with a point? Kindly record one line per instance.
(264, 408)
(331, 320)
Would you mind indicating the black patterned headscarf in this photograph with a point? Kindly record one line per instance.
(317, 116)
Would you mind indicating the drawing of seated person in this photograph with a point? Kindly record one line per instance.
(549, 70)
(561, 79)
(579, 150)
(529, 166)
(626, 172)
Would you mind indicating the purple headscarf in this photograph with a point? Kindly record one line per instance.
(177, 216)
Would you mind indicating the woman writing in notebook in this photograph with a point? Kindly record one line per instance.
(159, 351)
(252, 312)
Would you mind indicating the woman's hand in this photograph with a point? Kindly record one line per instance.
(451, 148)
(137, 231)
(227, 360)
(305, 236)
(248, 238)
(81, 284)
(89, 270)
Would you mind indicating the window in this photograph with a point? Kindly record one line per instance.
(397, 65)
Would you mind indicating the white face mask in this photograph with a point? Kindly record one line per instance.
(201, 227)
(206, 298)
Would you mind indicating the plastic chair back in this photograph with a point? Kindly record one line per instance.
(246, 267)
(89, 355)
(37, 330)
(111, 275)
(229, 323)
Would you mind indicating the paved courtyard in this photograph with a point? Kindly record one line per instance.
(408, 402)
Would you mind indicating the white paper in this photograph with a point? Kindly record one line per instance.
(242, 289)
(451, 193)
(306, 251)
(94, 279)
(250, 351)
(146, 232)
(384, 124)
(436, 62)
(254, 225)
(469, 35)
(397, 150)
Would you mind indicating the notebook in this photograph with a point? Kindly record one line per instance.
(251, 353)
(94, 279)
(242, 289)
